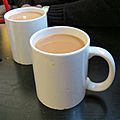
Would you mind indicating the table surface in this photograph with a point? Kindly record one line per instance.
(18, 100)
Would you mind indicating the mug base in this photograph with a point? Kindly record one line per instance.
(62, 107)
(22, 63)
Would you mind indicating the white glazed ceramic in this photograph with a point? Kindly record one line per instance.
(61, 79)
(20, 31)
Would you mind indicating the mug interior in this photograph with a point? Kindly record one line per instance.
(59, 30)
(26, 9)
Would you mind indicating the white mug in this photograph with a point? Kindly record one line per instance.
(20, 31)
(61, 79)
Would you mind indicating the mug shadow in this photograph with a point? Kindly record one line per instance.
(92, 107)
(25, 78)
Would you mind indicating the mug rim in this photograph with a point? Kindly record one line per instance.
(57, 54)
(18, 10)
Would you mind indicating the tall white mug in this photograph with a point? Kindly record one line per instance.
(61, 79)
(20, 31)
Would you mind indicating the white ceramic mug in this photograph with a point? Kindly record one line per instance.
(20, 31)
(61, 79)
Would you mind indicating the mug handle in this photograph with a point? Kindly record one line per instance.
(97, 51)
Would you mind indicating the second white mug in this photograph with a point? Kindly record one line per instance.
(20, 31)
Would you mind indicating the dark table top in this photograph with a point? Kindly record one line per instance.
(18, 100)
